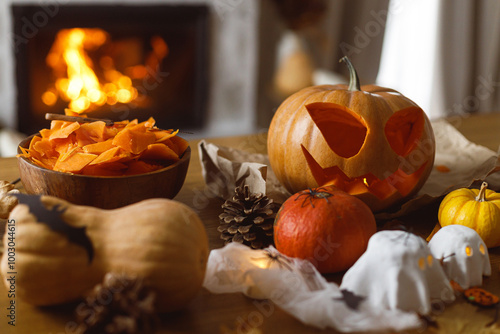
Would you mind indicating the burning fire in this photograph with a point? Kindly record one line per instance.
(77, 82)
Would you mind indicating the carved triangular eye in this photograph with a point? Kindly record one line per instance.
(404, 129)
(343, 130)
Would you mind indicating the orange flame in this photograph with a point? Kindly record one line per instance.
(76, 82)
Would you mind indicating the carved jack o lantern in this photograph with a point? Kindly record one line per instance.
(369, 141)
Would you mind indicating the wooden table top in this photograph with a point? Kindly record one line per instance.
(211, 313)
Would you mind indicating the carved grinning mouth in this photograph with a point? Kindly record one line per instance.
(338, 123)
(399, 181)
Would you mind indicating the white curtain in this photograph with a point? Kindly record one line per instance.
(443, 54)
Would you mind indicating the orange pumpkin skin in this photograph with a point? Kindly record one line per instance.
(326, 226)
(373, 143)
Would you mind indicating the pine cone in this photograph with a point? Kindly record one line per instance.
(248, 219)
(120, 305)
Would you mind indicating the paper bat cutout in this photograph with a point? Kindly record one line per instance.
(52, 218)
(351, 300)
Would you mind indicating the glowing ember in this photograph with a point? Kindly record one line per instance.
(77, 82)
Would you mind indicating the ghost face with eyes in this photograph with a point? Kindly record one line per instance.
(398, 271)
(463, 254)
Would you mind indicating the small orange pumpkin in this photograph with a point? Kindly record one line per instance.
(326, 226)
(369, 141)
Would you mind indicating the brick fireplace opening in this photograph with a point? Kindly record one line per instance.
(212, 55)
(115, 62)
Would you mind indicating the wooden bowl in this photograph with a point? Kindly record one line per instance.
(106, 192)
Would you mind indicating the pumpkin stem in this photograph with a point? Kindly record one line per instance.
(481, 197)
(354, 84)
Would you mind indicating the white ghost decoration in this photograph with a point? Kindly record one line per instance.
(298, 288)
(463, 254)
(398, 271)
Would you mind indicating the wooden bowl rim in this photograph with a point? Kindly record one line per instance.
(25, 142)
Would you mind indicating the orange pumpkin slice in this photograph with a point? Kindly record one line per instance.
(134, 139)
(33, 141)
(43, 163)
(56, 125)
(44, 147)
(75, 162)
(95, 130)
(111, 155)
(141, 167)
(45, 133)
(159, 152)
(150, 123)
(109, 169)
(25, 152)
(99, 147)
(65, 156)
(164, 135)
(65, 131)
(64, 145)
(125, 148)
(180, 145)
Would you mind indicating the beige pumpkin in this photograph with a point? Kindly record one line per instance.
(161, 240)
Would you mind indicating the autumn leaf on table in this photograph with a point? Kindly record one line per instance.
(7, 201)
(52, 218)
(464, 318)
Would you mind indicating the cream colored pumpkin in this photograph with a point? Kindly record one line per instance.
(161, 240)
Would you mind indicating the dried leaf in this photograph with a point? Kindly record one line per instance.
(462, 318)
(442, 169)
(7, 200)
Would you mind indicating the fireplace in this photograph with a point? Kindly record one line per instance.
(115, 62)
(195, 62)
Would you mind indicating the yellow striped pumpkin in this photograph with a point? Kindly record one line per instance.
(478, 209)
